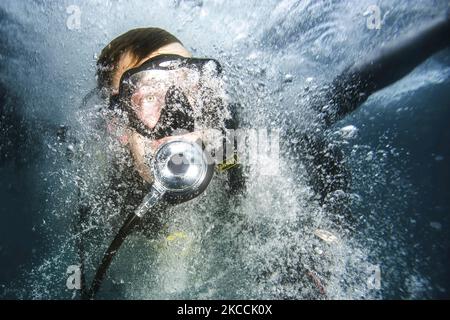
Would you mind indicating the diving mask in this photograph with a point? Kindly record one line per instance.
(169, 93)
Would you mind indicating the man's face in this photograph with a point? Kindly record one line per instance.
(155, 92)
(152, 104)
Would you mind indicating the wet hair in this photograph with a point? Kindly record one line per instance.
(139, 43)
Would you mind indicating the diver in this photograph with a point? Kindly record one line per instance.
(155, 86)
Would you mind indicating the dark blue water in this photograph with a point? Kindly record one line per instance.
(410, 196)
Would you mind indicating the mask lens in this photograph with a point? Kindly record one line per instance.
(162, 101)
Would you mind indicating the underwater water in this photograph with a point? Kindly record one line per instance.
(264, 243)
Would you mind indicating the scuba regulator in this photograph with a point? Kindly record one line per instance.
(182, 171)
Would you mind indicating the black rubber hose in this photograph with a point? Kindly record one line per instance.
(131, 221)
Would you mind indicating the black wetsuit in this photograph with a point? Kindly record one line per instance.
(350, 90)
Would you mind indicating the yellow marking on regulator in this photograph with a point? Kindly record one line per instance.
(180, 242)
(176, 235)
(228, 164)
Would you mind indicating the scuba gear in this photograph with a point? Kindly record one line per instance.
(182, 171)
(165, 94)
(171, 92)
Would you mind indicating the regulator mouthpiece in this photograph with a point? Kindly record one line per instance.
(182, 171)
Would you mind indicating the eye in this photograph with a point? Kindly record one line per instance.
(149, 98)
